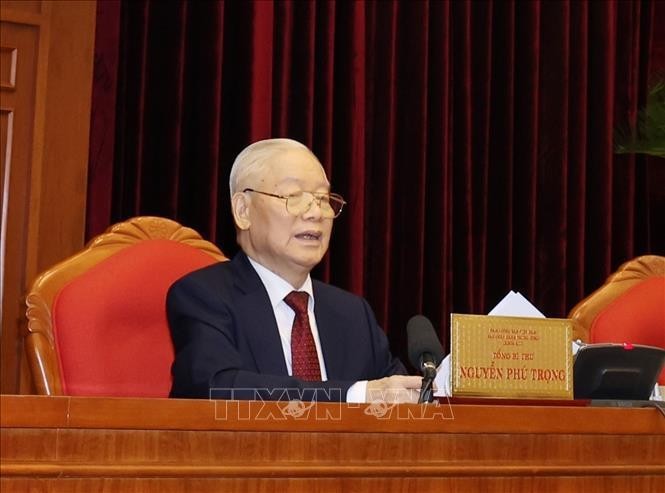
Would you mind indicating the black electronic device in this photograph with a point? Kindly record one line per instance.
(617, 371)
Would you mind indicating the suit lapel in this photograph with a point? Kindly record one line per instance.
(257, 318)
(330, 335)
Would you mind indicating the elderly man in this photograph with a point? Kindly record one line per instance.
(258, 327)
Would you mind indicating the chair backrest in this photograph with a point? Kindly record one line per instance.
(97, 321)
(629, 307)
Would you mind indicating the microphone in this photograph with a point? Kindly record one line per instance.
(425, 352)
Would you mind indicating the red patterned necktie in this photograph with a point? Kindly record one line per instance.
(304, 359)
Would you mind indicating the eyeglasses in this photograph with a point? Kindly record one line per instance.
(298, 203)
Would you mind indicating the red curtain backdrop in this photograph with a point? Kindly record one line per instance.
(472, 140)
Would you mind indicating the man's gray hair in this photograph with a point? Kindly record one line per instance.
(254, 159)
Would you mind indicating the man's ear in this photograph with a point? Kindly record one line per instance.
(240, 204)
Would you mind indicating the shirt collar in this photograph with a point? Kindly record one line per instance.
(277, 287)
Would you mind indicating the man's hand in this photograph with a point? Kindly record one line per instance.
(397, 388)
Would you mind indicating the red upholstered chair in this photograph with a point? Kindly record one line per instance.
(97, 321)
(629, 307)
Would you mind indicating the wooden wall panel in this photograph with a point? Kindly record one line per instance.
(44, 120)
(20, 38)
(34, 6)
(64, 174)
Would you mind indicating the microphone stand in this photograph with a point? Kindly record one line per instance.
(429, 374)
(426, 391)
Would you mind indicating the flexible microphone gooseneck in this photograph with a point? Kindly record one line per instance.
(425, 352)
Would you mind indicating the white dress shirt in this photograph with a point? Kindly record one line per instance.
(277, 289)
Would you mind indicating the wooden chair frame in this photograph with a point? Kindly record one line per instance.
(628, 275)
(39, 337)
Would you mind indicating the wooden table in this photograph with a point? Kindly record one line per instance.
(158, 445)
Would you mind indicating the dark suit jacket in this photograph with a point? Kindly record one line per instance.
(227, 343)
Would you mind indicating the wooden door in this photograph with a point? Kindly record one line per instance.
(46, 60)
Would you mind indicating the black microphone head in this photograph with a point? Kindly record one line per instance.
(422, 339)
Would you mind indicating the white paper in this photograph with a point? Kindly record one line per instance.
(515, 305)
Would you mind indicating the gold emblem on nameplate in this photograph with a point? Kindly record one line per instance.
(515, 357)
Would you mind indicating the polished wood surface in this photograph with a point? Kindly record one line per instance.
(45, 95)
(113, 444)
